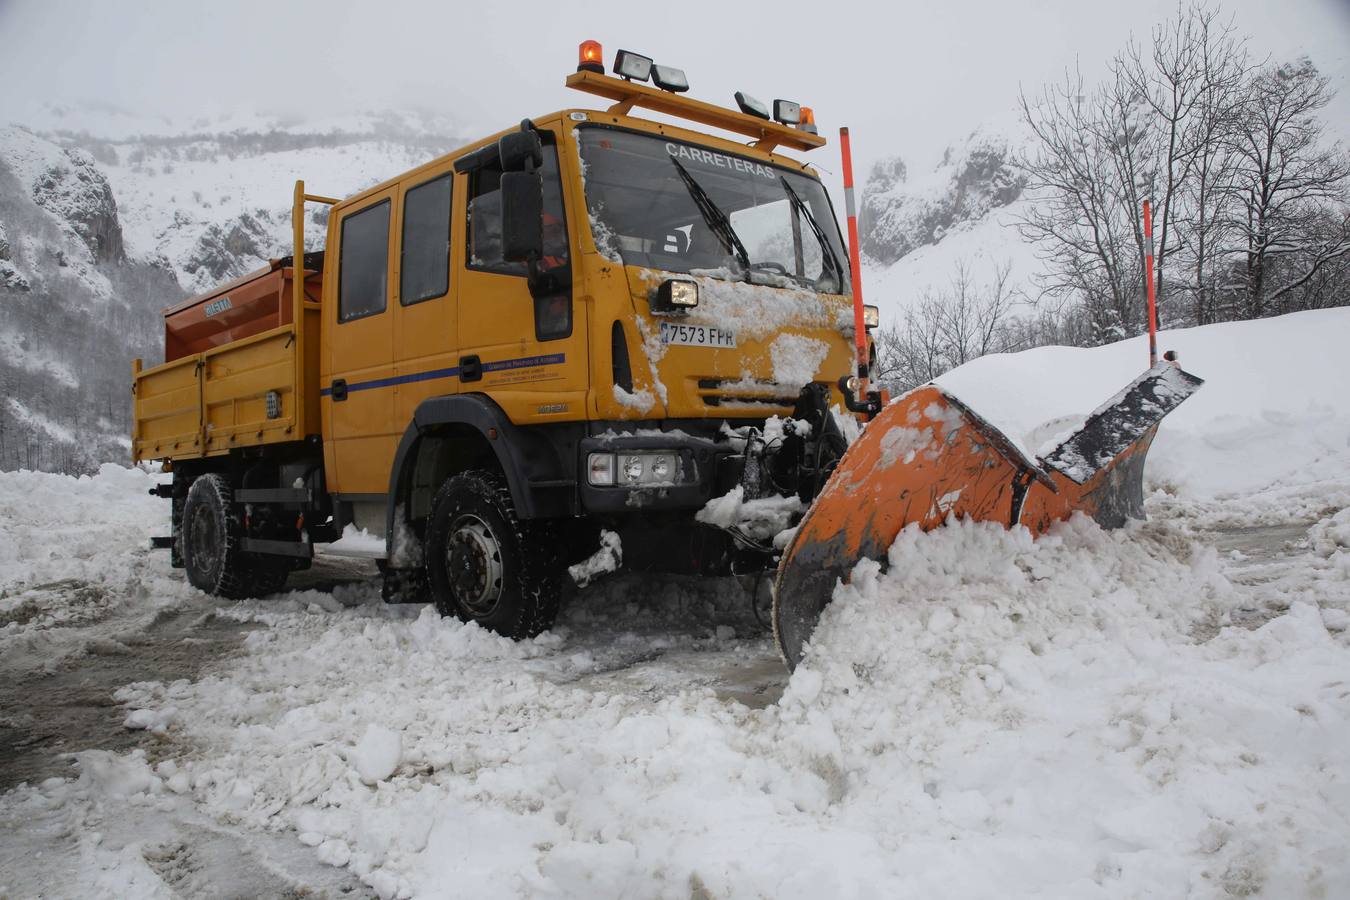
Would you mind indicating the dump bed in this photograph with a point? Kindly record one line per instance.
(237, 372)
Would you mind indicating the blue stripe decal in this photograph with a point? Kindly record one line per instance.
(501, 365)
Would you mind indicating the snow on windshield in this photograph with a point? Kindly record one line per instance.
(643, 213)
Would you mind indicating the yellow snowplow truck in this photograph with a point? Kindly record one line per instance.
(591, 322)
(552, 331)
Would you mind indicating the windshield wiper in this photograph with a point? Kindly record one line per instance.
(805, 212)
(713, 215)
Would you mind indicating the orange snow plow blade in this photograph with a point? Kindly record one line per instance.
(927, 456)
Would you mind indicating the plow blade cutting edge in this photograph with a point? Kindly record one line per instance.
(927, 456)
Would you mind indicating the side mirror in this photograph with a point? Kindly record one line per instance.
(522, 216)
(520, 151)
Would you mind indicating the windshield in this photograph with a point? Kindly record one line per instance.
(645, 212)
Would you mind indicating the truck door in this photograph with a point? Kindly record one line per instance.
(358, 378)
(526, 350)
(426, 356)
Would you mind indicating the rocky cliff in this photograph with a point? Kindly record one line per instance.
(99, 233)
(900, 214)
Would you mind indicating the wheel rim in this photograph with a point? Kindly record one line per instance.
(473, 562)
(204, 540)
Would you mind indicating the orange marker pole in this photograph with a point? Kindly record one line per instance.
(854, 264)
(1148, 281)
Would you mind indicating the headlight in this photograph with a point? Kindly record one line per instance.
(871, 316)
(640, 468)
(600, 468)
(661, 468)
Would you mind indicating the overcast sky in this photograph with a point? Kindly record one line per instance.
(907, 76)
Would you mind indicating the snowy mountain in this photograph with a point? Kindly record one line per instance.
(104, 226)
(215, 204)
(975, 177)
(916, 230)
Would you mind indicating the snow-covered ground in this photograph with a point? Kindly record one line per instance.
(1159, 711)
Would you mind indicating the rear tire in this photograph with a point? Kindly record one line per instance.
(485, 565)
(210, 541)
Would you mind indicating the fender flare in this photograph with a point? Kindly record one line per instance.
(520, 453)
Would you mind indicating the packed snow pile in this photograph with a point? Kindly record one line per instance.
(1036, 718)
(607, 558)
(1088, 714)
(760, 518)
(70, 550)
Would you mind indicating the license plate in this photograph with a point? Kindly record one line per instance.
(697, 335)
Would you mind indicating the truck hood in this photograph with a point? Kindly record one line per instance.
(784, 338)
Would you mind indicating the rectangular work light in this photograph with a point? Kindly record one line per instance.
(669, 78)
(633, 66)
(675, 295)
(787, 112)
(752, 107)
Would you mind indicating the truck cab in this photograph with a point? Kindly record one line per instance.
(580, 324)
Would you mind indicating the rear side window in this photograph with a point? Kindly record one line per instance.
(363, 270)
(485, 218)
(425, 271)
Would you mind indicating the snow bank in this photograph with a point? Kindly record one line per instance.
(1274, 409)
(73, 548)
(994, 716)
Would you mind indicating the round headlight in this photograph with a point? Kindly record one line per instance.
(661, 468)
(632, 468)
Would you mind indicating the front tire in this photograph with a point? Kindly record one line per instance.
(210, 541)
(485, 565)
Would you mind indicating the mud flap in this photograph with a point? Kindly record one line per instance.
(927, 457)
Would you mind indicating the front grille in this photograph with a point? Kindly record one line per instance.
(727, 392)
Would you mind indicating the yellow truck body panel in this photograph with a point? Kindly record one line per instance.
(206, 404)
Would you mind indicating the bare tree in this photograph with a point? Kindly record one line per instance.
(1250, 208)
(1076, 225)
(1283, 175)
(947, 329)
(1190, 79)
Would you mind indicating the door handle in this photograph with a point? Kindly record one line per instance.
(470, 368)
(339, 389)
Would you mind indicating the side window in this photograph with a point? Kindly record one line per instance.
(485, 219)
(363, 269)
(425, 269)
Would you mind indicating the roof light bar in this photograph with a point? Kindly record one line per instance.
(633, 66)
(629, 94)
(787, 112)
(752, 107)
(669, 78)
(591, 57)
